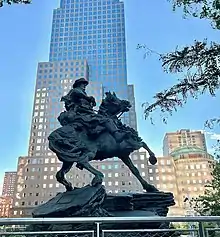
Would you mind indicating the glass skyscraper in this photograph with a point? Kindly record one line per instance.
(93, 30)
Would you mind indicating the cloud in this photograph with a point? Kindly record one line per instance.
(213, 136)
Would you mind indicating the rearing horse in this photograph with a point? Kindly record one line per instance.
(72, 144)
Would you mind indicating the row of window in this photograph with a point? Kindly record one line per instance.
(196, 166)
(61, 70)
(98, 42)
(58, 23)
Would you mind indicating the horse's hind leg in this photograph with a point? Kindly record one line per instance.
(60, 175)
(146, 186)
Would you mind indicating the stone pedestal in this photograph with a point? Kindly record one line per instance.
(92, 201)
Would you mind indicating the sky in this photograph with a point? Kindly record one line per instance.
(25, 36)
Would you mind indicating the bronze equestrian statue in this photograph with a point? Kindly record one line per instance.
(86, 135)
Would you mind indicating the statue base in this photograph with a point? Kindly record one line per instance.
(92, 201)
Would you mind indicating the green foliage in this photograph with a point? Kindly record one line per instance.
(204, 9)
(209, 203)
(2, 2)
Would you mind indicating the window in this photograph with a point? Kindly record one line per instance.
(203, 166)
(142, 157)
(168, 162)
(51, 176)
(45, 168)
(50, 185)
(143, 174)
(116, 183)
(162, 162)
(151, 178)
(116, 174)
(44, 185)
(46, 161)
(109, 174)
(45, 176)
(110, 183)
(157, 178)
(150, 171)
(142, 165)
(163, 170)
(53, 160)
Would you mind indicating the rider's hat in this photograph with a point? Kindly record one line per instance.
(80, 81)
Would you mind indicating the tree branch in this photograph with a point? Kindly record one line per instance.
(201, 63)
(2, 2)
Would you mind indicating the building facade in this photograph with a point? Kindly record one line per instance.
(184, 173)
(132, 112)
(93, 30)
(9, 184)
(55, 79)
(183, 137)
(6, 206)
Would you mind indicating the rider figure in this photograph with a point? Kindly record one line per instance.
(80, 103)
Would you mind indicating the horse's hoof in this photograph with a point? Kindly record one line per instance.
(153, 159)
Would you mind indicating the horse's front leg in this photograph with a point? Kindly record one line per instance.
(86, 165)
(152, 158)
(98, 175)
(146, 186)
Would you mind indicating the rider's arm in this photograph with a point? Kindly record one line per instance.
(80, 95)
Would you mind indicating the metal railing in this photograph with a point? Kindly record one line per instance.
(199, 226)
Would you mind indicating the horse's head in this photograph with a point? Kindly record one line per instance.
(112, 105)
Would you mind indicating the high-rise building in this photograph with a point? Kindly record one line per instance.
(9, 184)
(87, 40)
(93, 30)
(183, 137)
(184, 173)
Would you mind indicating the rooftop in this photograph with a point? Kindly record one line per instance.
(187, 150)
